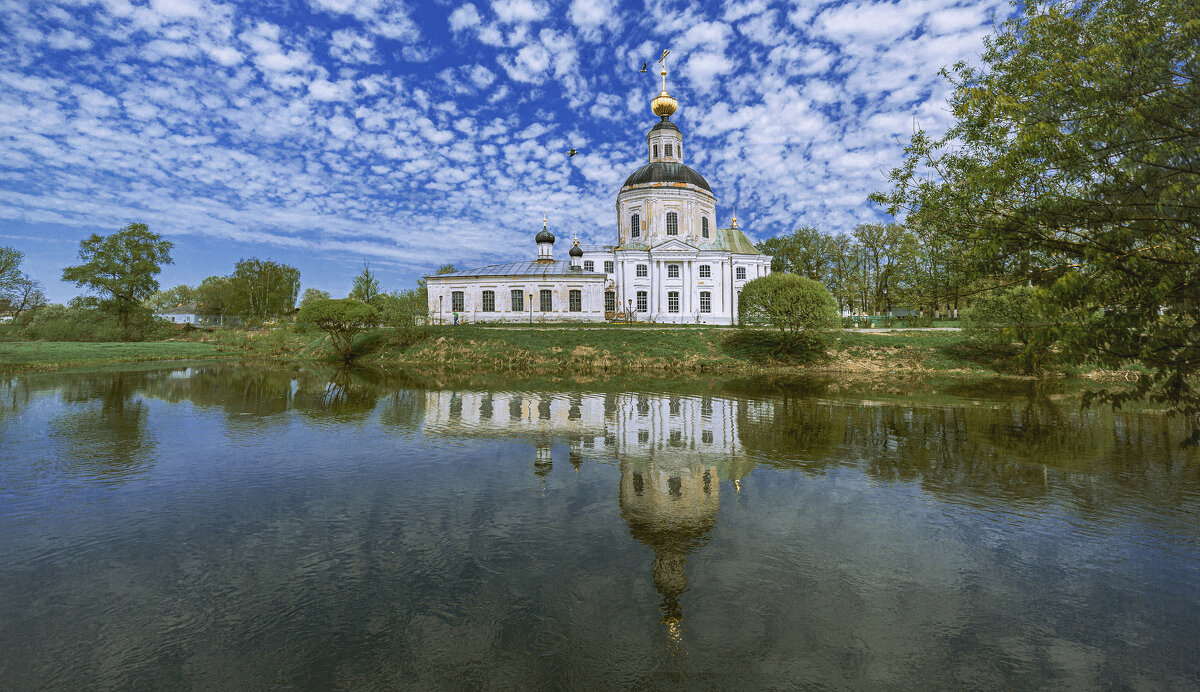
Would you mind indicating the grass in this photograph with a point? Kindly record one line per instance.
(42, 355)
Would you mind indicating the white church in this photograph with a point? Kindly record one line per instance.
(671, 263)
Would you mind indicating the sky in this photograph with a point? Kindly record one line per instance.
(329, 133)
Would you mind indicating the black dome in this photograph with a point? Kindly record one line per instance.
(660, 172)
(575, 251)
(664, 124)
(544, 236)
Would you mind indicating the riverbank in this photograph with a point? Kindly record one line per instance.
(661, 351)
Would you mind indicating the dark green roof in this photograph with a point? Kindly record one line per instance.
(662, 172)
(731, 240)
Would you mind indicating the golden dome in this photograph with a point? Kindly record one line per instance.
(664, 104)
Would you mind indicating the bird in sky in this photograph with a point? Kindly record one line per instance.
(571, 154)
(643, 68)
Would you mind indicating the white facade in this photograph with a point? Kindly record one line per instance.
(670, 263)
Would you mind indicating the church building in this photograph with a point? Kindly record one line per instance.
(670, 263)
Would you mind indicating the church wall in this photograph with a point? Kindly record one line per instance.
(652, 204)
(441, 303)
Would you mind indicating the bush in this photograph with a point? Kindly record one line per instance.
(798, 308)
(341, 319)
(1015, 324)
(83, 320)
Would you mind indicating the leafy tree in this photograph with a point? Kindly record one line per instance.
(10, 267)
(215, 295)
(366, 286)
(341, 319)
(311, 294)
(805, 251)
(1015, 323)
(121, 268)
(262, 289)
(25, 295)
(180, 295)
(1074, 165)
(446, 269)
(796, 306)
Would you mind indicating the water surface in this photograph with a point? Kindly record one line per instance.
(233, 527)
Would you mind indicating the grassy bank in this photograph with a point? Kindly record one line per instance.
(594, 351)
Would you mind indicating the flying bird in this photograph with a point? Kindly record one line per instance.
(571, 154)
(643, 68)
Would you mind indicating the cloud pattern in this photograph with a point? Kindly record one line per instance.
(411, 134)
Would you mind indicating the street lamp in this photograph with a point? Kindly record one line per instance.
(531, 308)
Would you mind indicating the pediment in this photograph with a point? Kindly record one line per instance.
(673, 245)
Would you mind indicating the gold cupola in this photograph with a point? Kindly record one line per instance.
(664, 104)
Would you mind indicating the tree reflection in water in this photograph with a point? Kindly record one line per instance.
(103, 434)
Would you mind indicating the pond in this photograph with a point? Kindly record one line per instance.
(235, 527)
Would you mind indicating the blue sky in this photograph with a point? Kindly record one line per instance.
(324, 132)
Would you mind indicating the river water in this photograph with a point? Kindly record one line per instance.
(247, 528)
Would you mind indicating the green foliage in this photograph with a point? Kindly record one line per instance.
(366, 286)
(792, 305)
(341, 319)
(121, 269)
(311, 294)
(1015, 324)
(262, 290)
(215, 296)
(446, 269)
(10, 268)
(806, 252)
(90, 320)
(162, 300)
(1075, 164)
(761, 346)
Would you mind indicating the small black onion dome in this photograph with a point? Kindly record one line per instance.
(575, 251)
(665, 124)
(544, 236)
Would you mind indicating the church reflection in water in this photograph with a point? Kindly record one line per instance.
(673, 452)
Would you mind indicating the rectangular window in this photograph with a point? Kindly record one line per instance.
(643, 301)
(667, 148)
(672, 301)
(705, 301)
(589, 266)
(706, 437)
(641, 271)
(489, 301)
(672, 223)
(705, 271)
(575, 300)
(456, 301)
(672, 271)
(740, 272)
(656, 151)
(704, 227)
(635, 225)
(518, 300)
(547, 299)
(608, 267)
(610, 301)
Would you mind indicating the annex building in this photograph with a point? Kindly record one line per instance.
(670, 262)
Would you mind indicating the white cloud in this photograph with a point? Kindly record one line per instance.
(464, 17)
(350, 46)
(519, 11)
(324, 90)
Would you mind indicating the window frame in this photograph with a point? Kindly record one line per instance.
(641, 271)
(705, 271)
(546, 300)
(574, 300)
(609, 266)
(706, 302)
(673, 271)
(672, 223)
(489, 300)
(668, 151)
(739, 273)
(516, 299)
(673, 301)
(589, 265)
(458, 301)
(635, 225)
(643, 301)
(610, 301)
(704, 226)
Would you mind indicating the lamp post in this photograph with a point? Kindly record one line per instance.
(441, 312)
(629, 311)
(531, 308)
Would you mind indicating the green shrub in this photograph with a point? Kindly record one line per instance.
(341, 319)
(83, 320)
(1016, 325)
(797, 308)
(760, 345)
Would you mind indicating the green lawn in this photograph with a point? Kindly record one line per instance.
(38, 355)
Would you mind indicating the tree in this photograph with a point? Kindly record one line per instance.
(121, 268)
(806, 251)
(262, 289)
(1074, 166)
(215, 296)
(10, 267)
(311, 294)
(796, 306)
(366, 286)
(24, 296)
(341, 319)
(161, 300)
(1015, 323)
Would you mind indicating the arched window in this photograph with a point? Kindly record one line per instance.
(667, 149)
(635, 224)
(704, 226)
(672, 223)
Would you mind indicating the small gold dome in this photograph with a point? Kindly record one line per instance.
(664, 104)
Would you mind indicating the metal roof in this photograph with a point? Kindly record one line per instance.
(731, 240)
(663, 172)
(527, 268)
